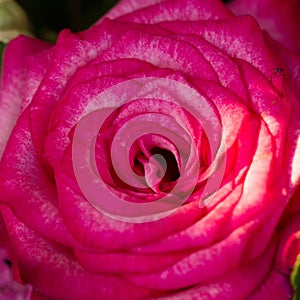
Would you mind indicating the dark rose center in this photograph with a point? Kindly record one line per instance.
(160, 170)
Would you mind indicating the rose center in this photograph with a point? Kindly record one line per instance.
(160, 170)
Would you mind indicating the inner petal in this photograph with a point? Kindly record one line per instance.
(158, 160)
(154, 169)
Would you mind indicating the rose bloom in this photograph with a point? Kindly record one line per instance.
(235, 155)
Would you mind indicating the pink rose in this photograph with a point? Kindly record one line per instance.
(154, 155)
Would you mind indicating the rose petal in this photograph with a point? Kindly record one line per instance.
(15, 71)
(235, 285)
(225, 67)
(92, 228)
(162, 52)
(240, 38)
(292, 63)
(125, 262)
(28, 188)
(279, 18)
(201, 267)
(41, 260)
(71, 51)
(187, 10)
(127, 6)
(275, 286)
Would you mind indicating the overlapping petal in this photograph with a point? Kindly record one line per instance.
(229, 246)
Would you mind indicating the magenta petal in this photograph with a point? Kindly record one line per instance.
(127, 262)
(162, 52)
(201, 266)
(13, 82)
(292, 63)
(276, 286)
(53, 270)
(185, 10)
(127, 6)
(281, 19)
(70, 52)
(235, 285)
(240, 38)
(203, 233)
(28, 188)
(94, 229)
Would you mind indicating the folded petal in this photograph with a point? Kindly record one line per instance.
(281, 19)
(15, 71)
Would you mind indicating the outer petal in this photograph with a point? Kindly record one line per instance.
(27, 187)
(167, 9)
(234, 285)
(53, 270)
(14, 74)
(281, 19)
(238, 37)
(292, 63)
(70, 53)
(275, 287)
(184, 10)
(127, 6)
